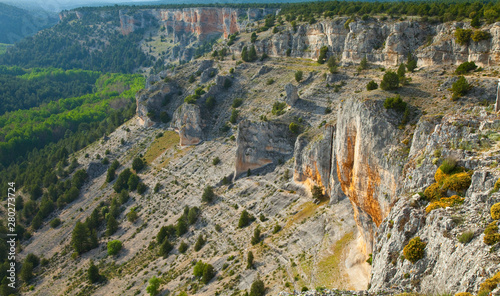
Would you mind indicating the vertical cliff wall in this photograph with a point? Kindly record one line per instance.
(386, 43)
(359, 157)
(202, 22)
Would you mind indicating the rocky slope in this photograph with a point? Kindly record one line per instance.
(234, 134)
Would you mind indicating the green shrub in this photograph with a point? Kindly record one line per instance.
(154, 285)
(137, 164)
(258, 288)
(294, 128)
(448, 165)
(371, 85)
(463, 36)
(227, 83)
(256, 236)
(332, 64)
(93, 273)
(278, 108)
(208, 194)
(216, 160)
(210, 102)
(276, 228)
(395, 103)
(414, 250)
(481, 35)
(317, 192)
(491, 235)
(298, 75)
(183, 247)
(165, 248)
(244, 219)
(200, 242)
(465, 67)
(390, 81)
(234, 116)
(466, 237)
(495, 211)
(460, 87)
(322, 54)
(250, 260)
(237, 102)
(114, 247)
(55, 222)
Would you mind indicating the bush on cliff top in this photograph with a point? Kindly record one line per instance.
(414, 250)
(495, 211)
(457, 182)
(444, 203)
(491, 235)
(490, 284)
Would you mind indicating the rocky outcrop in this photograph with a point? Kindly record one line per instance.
(158, 96)
(291, 94)
(447, 264)
(208, 74)
(260, 144)
(386, 43)
(187, 122)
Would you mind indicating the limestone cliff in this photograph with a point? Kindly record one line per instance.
(386, 43)
(447, 264)
(187, 122)
(202, 22)
(357, 158)
(260, 144)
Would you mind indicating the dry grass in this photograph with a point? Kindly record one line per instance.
(160, 145)
(329, 269)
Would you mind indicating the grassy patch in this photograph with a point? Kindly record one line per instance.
(159, 145)
(306, 211)
(329, 270)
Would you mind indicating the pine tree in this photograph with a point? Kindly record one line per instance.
(252, 54)
(165, 248)
(199, 243)
(111, 225)
(244, 54)
(256, 236)
(93, 273)
(79, 237)
(250, 260)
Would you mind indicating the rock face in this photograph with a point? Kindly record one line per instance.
(368, 169)
(203, 22)
(315, 163)
(357, 158)
(291, 94)
(158, 96)
(262, 143)
(447, 264)
(187, 122)
(383, 43)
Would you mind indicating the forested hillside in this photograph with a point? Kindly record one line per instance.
(17, 23)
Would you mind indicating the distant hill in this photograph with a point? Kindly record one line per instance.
(17, 23)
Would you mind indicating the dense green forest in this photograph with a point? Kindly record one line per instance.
(24, 90)
(441, 11)
(76, 43)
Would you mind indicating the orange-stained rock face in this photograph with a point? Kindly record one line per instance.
(365, 137)
(201, 21)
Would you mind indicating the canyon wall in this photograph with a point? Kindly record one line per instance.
(203, 22)
(385, 43)
(358, 157)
